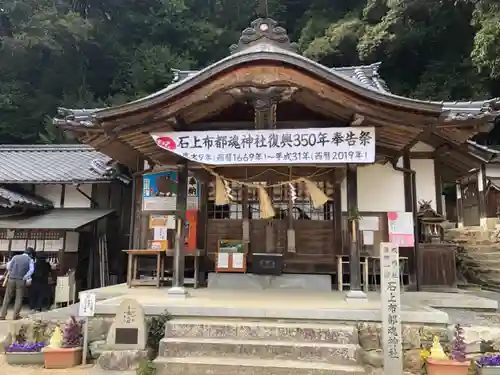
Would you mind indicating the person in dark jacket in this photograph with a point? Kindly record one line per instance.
(19, 270)
(40, 288)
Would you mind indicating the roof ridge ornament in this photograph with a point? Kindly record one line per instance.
(264, 30)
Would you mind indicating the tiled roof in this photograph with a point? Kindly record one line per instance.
(13, 198)
(57, 218)
(488, 154)
(49, 164)
(365, 75)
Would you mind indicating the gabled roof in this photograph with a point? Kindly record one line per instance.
(273, 45)
(48, 164)
(17, 198)
(266, 52)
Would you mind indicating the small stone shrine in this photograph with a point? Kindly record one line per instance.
(128, 331)
(429, 223)
(126, 341)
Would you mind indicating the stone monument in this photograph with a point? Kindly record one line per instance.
(391, 309)
(126, 342)
(128, 331)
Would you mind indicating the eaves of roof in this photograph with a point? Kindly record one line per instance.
(50, 164)
(17, 198)
(268, 52)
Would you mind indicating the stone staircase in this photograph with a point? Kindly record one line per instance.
(237, 347)
(479, 251)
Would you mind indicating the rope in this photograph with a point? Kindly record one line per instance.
(318, 173)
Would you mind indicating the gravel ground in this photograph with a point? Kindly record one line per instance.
(6, 369)
(481, 318)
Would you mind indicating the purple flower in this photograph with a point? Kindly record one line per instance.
(493, 360)
(27, 347)
(458, 348)
(72, 334)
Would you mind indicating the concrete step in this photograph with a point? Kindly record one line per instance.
(346, 354)
(244, 366)
(263, 330)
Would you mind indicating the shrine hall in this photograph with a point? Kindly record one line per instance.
(267, 163)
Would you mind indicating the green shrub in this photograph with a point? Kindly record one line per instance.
(156, 331)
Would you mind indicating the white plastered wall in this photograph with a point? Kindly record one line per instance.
(381, 188)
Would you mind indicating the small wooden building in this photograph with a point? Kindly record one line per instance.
(478, 197)
(380, 154)
(68, 201)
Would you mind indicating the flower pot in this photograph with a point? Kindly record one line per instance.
(57, 358)
(24, 358)
(488, 370)
(447, 367)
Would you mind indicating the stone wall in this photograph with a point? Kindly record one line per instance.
(478, 254)
(414, 337)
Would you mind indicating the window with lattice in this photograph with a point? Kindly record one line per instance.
(302, 208)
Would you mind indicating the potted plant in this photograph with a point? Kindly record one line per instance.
(489, 364)
(438, 362)
(27, 353)
(65, 350)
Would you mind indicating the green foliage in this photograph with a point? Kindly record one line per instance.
(146, 367)
(87, 53)
(156, 331)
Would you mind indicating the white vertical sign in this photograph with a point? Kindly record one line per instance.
(391, 309)
(87, 305)
(86, 309)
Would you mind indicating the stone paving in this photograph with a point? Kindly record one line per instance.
(466, 318)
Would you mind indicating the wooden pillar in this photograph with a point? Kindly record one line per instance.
(411, 205)
(460, 205)
(481, 187)
(136, 209)
(337, 217)
(439, 187)
(180, 231)
(355, 291)
(245, 213)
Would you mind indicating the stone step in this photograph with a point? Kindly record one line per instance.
(346, 354)
(484, 256)
(244, 366)
(263, 330)
(482, 249)
(486, 263)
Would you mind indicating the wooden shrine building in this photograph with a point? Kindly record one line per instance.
(286, 157)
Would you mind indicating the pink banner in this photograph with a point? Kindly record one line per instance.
(402, 240)
(401, 228)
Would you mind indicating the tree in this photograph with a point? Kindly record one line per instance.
(87, 53)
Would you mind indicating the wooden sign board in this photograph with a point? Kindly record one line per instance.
(158, 245)
(231, 246)
(231, 256)
(162, 221)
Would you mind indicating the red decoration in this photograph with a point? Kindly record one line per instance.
(392, 216)
(166, 143)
